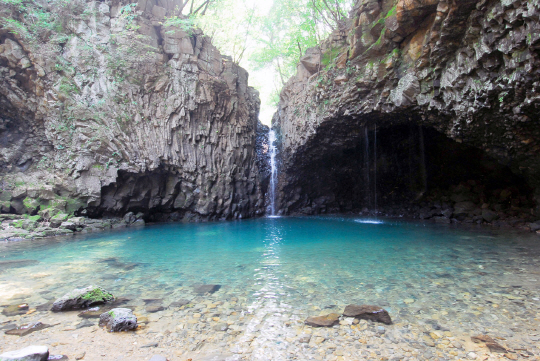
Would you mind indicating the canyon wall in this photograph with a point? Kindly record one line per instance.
(106, 108)
(449, 89)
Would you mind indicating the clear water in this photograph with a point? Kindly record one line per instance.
(284, 269)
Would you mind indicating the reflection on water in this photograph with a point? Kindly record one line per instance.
(275, 272)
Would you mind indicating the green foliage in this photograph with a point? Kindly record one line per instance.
(329, 56)
(185, 24)
(97, 295)
(68, 87)
(127, 13)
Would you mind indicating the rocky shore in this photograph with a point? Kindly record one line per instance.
(16, 227)
(218, 327)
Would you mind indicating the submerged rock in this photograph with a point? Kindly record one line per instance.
(221, 327)
(15, 310)
(118, 319)
(323, 321)
(82, 298)
(181, 302)
(493, 345)
(27, 329)
(17, 263)
(202, 289)
(154, 308)
(31, 353)
(368, 312)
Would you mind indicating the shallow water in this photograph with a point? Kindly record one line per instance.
(274, 272)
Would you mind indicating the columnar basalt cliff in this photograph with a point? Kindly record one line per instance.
(110, 110)
(419, 94)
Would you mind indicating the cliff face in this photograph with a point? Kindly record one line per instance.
(107, 110)
(414, 75)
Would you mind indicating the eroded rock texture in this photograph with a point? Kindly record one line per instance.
(112, 111)
(383, 94)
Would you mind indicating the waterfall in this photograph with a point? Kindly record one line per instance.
(423, 172)
(367, 170)
(375, 169)
(273, 171)
(370, 180)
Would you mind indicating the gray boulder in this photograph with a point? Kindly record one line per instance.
(534, 226)
(463, 208)
(31, 353)
(118, 319)
(82, 298)
(489, 215)
(69, 225)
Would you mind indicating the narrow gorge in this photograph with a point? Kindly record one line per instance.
(388, 211)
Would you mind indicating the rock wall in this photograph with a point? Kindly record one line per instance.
(465, 69)
(106, 109)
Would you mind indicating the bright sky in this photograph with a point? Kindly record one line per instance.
(264, 80)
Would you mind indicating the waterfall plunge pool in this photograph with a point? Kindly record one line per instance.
(274, 272)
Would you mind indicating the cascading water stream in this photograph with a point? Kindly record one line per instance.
(366, 160)
(273, 170)
(370, 180)
(375, 169)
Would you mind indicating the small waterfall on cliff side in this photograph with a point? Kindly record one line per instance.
(273, 170)
(367, 171)
(375, 169)
(370, 180)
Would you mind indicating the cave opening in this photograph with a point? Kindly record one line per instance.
(411, 170)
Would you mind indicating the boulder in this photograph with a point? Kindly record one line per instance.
(82, 298)
(69, 225)
(368, 312)
(58, 219)
(31, 353)
(463, 208)
(118, 319)
(534, 226)
(323, 321)
(489, 215)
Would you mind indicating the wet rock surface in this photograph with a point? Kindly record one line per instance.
(31, 353)
(368, 312)
(323, 321)
(27, 329)
(118, 320)
(82, 298)
(14, 310)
